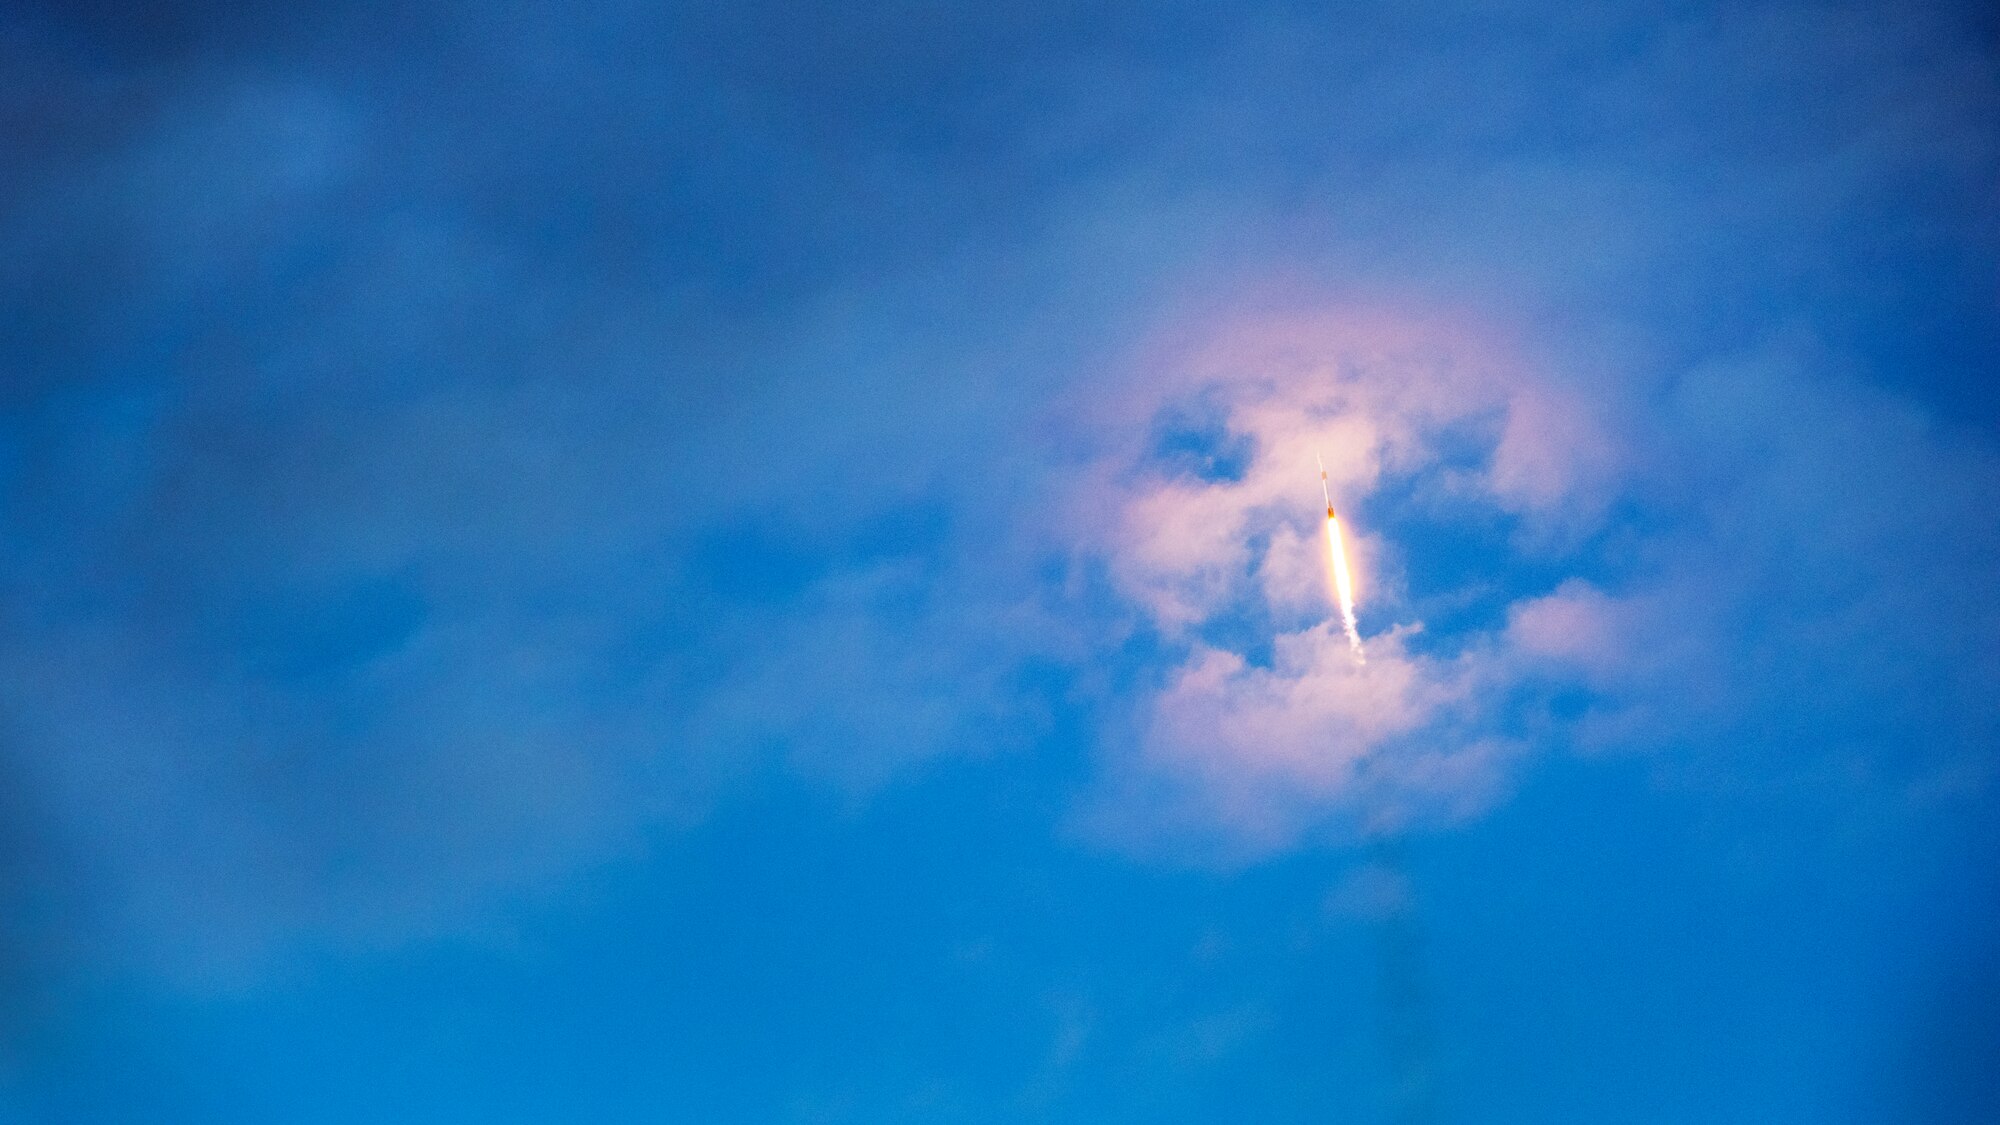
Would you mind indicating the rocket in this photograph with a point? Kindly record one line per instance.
(1343, 582)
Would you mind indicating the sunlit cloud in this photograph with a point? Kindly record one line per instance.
(1265, 724)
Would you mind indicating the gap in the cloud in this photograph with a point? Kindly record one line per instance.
(1455, 561)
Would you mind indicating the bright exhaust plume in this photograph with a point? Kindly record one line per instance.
(1343, 586)
(1343, 578)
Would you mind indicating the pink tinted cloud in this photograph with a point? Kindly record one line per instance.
(1555, 458)
(1265, 751)
(1263, 748)
(1578, 625)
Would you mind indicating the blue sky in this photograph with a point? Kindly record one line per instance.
(732, 563)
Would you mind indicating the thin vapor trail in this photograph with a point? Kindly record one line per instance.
(1406, 1016)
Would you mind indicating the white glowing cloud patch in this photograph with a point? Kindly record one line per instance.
(1264, 751)
(1578, 625)
(1308, 717)
(1264, 740)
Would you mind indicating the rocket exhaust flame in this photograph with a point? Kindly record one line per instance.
(1344, 584)
(1343, 580)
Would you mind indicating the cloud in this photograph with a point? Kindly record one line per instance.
(1265, 725)
(350, 617)
(1578, 625)
(1269, 750)
(1786, 565)
(1812, 573)
(379, 440)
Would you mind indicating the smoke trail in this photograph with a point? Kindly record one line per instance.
(1406, 1024)
(1343, 583)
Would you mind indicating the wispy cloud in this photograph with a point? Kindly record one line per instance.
(379, 439)
(1783, 559)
